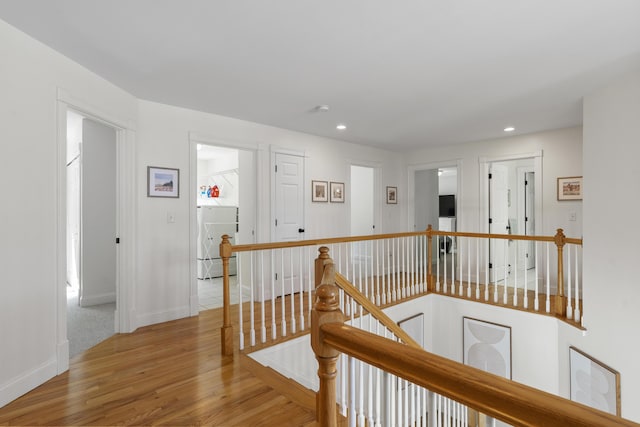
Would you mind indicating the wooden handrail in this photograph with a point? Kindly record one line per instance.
(374, 310)
(509, 401)
(347, 239)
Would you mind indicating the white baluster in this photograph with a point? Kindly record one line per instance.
(569, 301)
(378, 296)
(506, 271)
(293, 295)
(548, 307)
(468, 267)
(352, 392)
(240, 311)
(486, 271)
(372, 280)
(263, 330)
(252, 320)
(310, 280)
(444, 265)
(478, 268)
(453, 267)
(576, 312)
(526, 283)
(515, 275)
(459, 246)
(536, 298)
(437, 254)
(272, 255)
(394, 256)
(301, 260)
(283, 294)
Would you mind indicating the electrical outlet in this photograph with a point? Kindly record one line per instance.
(171, 218)
(572, 216)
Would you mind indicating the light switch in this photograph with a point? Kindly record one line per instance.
(572, 216)
(171, 218)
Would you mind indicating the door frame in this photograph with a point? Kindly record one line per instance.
(124, 319)
(193, 140)
(485, 164)
(411, 189)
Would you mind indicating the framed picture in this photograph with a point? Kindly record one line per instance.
(570, 188)
(487, 346)
(392, 195)
(163, 182)
(414, 326)
(593, 383)
(336, 192)
(319, 191)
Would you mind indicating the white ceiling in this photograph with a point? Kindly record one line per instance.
(400, 74)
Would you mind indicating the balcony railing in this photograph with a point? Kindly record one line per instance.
(276, 281)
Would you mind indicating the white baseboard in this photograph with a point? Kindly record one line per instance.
(88, 300)
(26, 382)
(162, 316)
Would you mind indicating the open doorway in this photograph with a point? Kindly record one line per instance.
(225, 204)
(435, 203)
(91, 224)
(512, 210)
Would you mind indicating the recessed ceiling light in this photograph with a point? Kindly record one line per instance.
(341, 126)
(509, 129)
(322, 108)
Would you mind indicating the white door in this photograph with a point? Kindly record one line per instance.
(289, 220)
(529, 217)
(498, 219)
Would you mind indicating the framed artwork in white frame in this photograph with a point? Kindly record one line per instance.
(487, 346)
(336, 192)
(163, 182)
(319, 191)
(593, 383)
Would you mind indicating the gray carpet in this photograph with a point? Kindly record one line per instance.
(87, 326)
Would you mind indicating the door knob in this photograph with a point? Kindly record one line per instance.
(300, 230)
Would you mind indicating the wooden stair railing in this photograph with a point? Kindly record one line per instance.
(506, 400)
(423, 260)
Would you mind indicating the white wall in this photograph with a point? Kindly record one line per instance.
(163, 140)
(29, 78)
(443, 335)
(561, 153)
(611, 152)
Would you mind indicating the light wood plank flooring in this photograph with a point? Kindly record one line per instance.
(166, 374)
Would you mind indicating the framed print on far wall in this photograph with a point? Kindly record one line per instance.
(319, 191)
(392, 195)
(336, 192)
(593, 383)
(163, 182)
(487, 346)
(570, 188)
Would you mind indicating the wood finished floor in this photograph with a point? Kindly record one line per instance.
(166, 374)
(172, 374)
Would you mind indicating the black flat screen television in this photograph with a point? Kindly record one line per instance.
(448, 205)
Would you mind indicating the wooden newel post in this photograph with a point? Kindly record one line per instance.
(326, 309)
(320, 262)
(560, 301)
(227, 329)
(430, 282)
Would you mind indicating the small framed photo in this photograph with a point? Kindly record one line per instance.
(336, 192)
(487, 346)
(593, 383)
(570, 188)
(163, 182)
(392, 195)
(319, 191)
